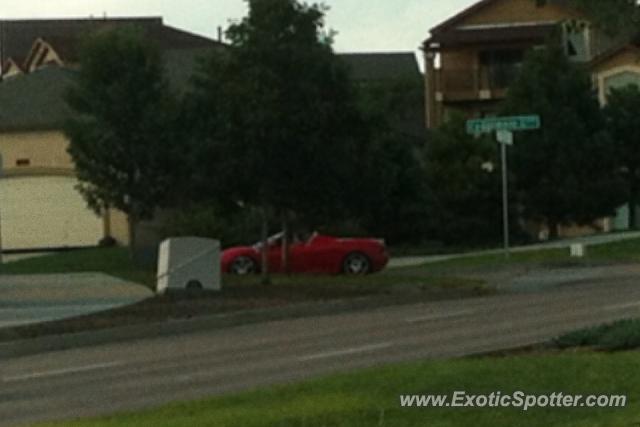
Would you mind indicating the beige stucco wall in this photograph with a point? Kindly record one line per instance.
(47, 155)
(118, 226)
(45, 151)
(510, 11)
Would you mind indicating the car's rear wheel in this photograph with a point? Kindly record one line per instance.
(356, 263)
(243, 265)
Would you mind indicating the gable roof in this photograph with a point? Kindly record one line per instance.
(64, 35)
(382, 66)
(476, 7)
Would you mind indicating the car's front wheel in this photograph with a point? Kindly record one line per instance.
(356, 263)
(243, 265)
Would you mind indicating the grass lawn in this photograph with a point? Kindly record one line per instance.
(371, 398)
(627, 251)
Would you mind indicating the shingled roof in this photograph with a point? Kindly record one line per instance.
(382, 66)
(18, 36)
(35, 101)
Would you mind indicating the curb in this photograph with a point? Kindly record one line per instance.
(52, 343)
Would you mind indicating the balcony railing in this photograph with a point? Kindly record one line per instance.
(475, 83)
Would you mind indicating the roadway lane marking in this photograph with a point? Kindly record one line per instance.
(622, 306)
(346, 352)
(61, 372)
(443, 316)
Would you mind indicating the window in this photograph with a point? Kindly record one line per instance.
(23, 162)
(576, 40)
(621, 80)
(500, 67)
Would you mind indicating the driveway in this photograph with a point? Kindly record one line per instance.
(28, 299)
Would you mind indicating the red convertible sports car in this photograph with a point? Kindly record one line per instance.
(317, 254)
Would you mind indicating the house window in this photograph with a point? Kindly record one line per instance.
(500, 67)
(620, 80)
(23, 162)
(576, 40)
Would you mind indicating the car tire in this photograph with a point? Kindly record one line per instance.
(243, 266)
(356, 263)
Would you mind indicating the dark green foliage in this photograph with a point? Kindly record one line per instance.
(276, 120)
(464, 173)
(121, 136)
(621, 116)
(233, 227)
(392, 191)
(621, 335)
(565, 172)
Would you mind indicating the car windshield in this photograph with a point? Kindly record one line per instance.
(274, 240)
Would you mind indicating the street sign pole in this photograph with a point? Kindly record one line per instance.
(505, 138)
(504, 128)
(505, 199)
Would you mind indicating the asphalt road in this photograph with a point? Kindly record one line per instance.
(125, 376)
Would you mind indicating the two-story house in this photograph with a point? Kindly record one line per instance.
(472, 58)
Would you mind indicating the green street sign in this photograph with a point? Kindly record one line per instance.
(494, 124)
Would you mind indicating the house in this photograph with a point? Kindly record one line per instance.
(473, 57)
(39, 205)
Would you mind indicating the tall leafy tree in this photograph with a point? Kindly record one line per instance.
(463, 172)
(394, 195)
(621, 115)
(565, 172)
(120, 137)
(278, 126)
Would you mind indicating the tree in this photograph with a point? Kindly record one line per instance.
(392, 190)
(120, 136)
(276, 116)
(565, 172)
(621, 115)
(463, 173)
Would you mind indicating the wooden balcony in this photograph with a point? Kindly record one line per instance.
(475, 84)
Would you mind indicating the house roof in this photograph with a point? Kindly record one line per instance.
(18, 36)
(35, 101)
(497, 34)
(382, 66)
(476, 7)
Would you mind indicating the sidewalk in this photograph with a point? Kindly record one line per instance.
(558, 244)
(38, 298)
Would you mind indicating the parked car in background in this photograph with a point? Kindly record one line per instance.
(318, 254)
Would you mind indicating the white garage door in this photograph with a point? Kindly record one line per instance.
(45, 212)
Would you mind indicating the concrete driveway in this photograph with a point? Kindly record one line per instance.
(28, 299)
